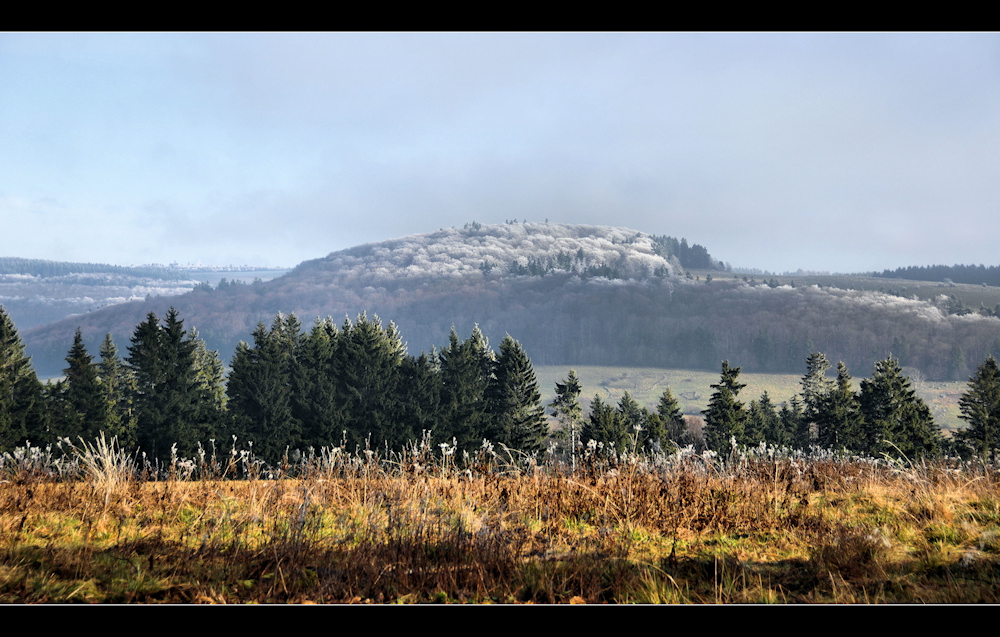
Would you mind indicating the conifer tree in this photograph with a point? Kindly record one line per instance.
(567, 409)
(516, 413)
(84, 412)
(897, 421)
(633, 419)
(839, 419)
(666, 427)
(725, 417)
(815, 387)
(21, 396)
(605, 425)
(315, 386)
(260, 390)
(170, 403)
(117, 392)
(466, 369)
(980, 407)
(372, 357)
(763, 423)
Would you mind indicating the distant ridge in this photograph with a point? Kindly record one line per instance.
(572, 295)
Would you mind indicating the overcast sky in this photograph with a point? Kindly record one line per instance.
(777, 151)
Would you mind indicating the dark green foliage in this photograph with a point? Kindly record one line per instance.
(466, 369)
(369, 380)
(666, 428)
(605, 425)
(897, 422)
(980, 406)
(260, 389)
(567, 409)
(838, 419)
(791, 416)
(315, 401)
(172, 403)
(80, 407)
(516, 413)
(725, 417)
(21, 409)
(815, 387)
(763, 423)
(117, 391)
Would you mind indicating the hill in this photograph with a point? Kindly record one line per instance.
(573, 295)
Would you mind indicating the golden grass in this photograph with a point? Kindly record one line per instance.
(761, 530)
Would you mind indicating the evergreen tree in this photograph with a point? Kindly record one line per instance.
(420, 395)
(725, 417)
(117, 389)
(372, 358)
(21, 395)
(316, 378)
(466, 370)
(605, 425)
(980, 406)
(633, 420)
(791, 418)
(516, 413)
(763, 423)
(567, 409)
(839, 419)
(896, 420)
(815, 387)
(260, 389)
(170, 403)
(83, 412)
(666, 427)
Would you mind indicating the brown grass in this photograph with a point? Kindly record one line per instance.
(759, 530)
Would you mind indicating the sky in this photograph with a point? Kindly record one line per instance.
(838, 152)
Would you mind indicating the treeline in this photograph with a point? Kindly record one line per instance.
(351, 384)
(972, 274)
(45, 268)
(884, 418)
(694, 256)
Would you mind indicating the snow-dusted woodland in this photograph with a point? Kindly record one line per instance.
(574, 295)
(480, 251)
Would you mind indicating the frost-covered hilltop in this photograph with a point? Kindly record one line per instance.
(516, 249)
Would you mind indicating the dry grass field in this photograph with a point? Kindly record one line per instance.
(418, 527)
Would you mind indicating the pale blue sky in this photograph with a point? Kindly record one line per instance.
(779, 151)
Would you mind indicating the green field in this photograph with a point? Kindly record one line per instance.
(692, 388)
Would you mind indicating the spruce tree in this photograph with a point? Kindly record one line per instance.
(897, 421)
(605, 425)
(763, 423)
(259, 390)
(725, 417)
(169, 396)
(980, 407)
(666, 427)
(815, 387)
(514, 402)
(372, 357)
(316, 378)
(466, 370)
(839, 419)
(117, 392)
(84, 413)
(567, 409)
(634, 420)
(21, 396)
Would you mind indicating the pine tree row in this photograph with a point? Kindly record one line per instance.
(351, 383)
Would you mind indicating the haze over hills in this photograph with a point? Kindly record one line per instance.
(572, 294)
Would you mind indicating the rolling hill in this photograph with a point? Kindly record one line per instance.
(572, 294)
